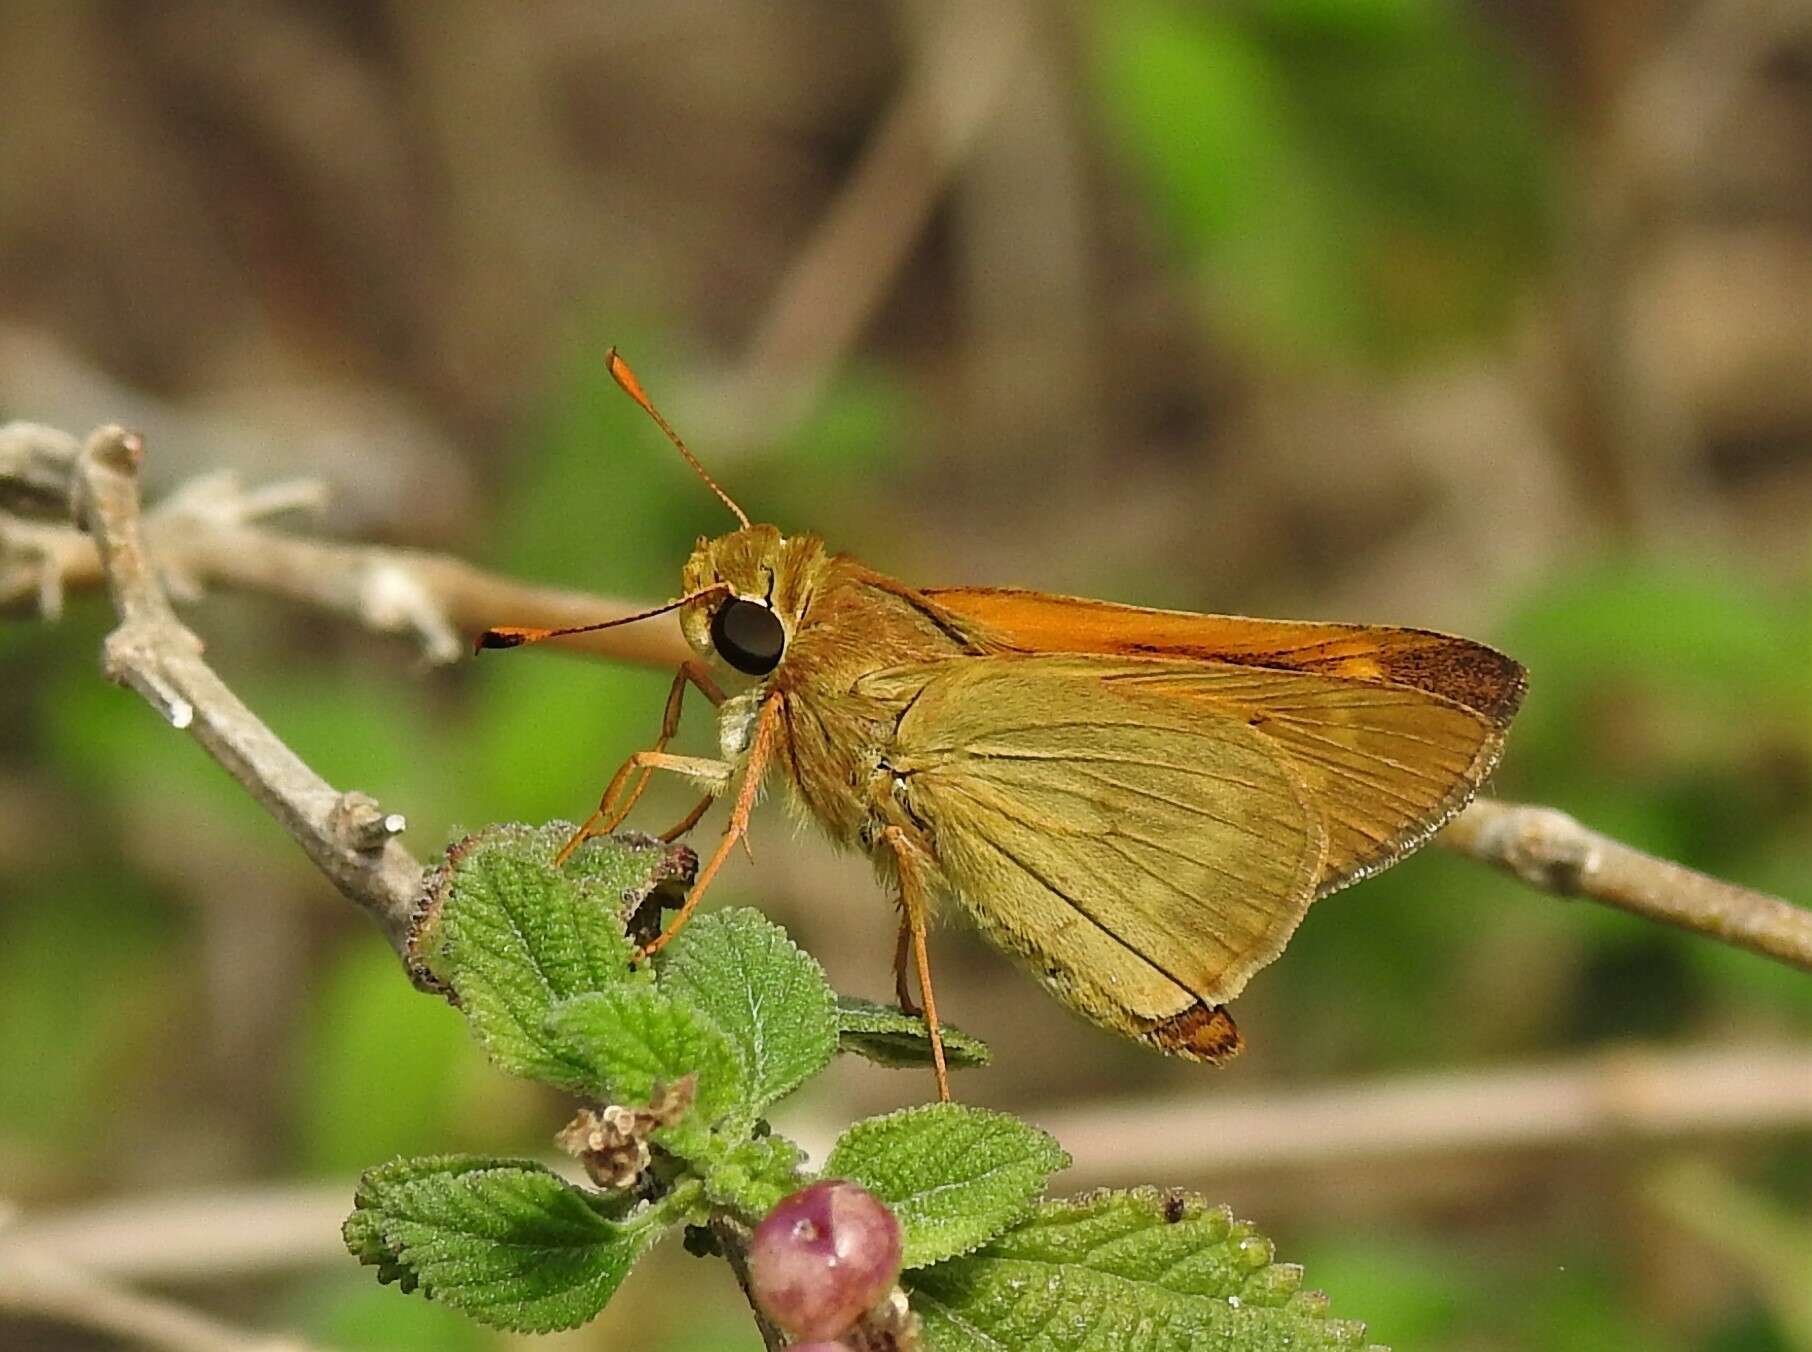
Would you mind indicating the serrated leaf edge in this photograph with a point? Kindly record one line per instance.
(641, 1230)
(1196, 1208)
(761, 1096)
(1016, 1213)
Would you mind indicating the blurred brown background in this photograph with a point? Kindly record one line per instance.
(1483, 316)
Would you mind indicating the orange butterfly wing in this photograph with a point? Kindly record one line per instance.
(1391, 730)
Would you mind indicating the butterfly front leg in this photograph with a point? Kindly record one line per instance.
(609, 815)
(700, 769)
(760, 750)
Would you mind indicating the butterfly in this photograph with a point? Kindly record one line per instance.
(1140, 804)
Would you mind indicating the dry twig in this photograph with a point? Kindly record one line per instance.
(34, 468)
(192, 1235)
(210, 533)
(33, 1286)
(205, 536)
(347, 835)
(1618, 1096)
(349, 838)
(967, 53)
(1548, 849)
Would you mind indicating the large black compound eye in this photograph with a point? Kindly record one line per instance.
(748, 636)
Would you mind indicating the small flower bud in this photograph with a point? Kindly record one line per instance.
(823, 1257)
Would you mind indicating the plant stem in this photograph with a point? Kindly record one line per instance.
(1548, 849)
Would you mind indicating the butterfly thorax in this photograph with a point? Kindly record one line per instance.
(845, 624)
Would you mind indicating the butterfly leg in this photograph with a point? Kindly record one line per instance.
(608, 816)
(690, 820)
(693, 767)
(902, 983)
(761, 747)
(915, 902)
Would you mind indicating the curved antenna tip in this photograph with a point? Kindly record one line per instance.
(625, 378)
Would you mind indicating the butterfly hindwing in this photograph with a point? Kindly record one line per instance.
(1143, 854)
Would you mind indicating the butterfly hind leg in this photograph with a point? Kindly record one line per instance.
(915, 904)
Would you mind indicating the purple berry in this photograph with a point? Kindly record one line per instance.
(824, 1257)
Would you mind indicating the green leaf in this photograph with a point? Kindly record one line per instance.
(511, 935)
(1144, 1270)
(754, 1175)
(629, 1039)
(889, 1036)
(508, 1242)
(955, 1176)
(740, 968)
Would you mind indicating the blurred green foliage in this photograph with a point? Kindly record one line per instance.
(349, 1312)
(357, 1101)
(1359, 178)
(77, 1017)
(1568, 1300)
(1669, 705)
(1349, 181)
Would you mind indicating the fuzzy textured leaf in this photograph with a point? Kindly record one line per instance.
(740, 968)
(955, 1176)
(631, 1038)
(511, 935)
(754, 1175)
(889, 1036)
(511, 1244)
(1141, 1271)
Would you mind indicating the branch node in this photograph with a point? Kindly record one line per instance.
(1547, 848)
(120, 449)
(130, 658)
(393, 599)
(358, 823)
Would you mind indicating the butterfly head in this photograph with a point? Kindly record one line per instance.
(751, 587)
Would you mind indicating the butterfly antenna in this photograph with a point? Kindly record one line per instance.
(512, 636)
(620, 372)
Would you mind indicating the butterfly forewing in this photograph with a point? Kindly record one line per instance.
(1456, 669)
(1391, 730)
(1385, 765)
